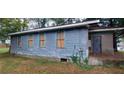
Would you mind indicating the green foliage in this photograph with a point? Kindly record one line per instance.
(110, 22)
(59, 21)
(78, 59)
(87, 67)
(10, 25)
(41, 22)
(83, 66)
(75, 59)
(85, 61)
(120, 21)
(4, 50)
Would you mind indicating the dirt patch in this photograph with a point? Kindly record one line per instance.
(115, 59)
(23, 65)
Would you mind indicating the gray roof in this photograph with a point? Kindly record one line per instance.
(57, 27)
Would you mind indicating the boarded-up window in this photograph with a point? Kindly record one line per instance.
(30, 41)
(60, 39)
(42, 40)
(19, 42)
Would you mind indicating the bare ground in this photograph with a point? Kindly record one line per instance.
(23, 65)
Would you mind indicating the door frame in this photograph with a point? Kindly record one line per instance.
(92, 41)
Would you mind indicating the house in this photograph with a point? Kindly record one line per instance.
(59, 42)
(102, 40)
(62, 41)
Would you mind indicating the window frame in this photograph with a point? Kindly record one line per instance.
(19, 41)
(60, 40)
(43, 40)
(30, 38)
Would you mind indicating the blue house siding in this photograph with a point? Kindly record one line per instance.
(76, 38)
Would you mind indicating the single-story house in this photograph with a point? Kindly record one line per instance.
(103, 40)
(62, 41)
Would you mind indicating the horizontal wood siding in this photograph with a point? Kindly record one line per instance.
(77, 38)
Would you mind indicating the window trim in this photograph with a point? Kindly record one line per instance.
(19, 41)
(42, 40)
(32, 39)
(60, 38)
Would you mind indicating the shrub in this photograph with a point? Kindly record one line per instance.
(77, 58)
(74, 59)
(85, 61)
(86, 67)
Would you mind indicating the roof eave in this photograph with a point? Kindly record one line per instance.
(57, 27)
(107, 29)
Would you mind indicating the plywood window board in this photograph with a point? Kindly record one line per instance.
(42, 40)
(60, 39)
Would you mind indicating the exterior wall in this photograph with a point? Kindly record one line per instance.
(106, 41)
(73, 41)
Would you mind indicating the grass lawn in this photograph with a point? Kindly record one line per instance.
(4, 50)
(17, 64)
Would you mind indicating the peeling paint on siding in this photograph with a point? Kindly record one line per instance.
(75, 37)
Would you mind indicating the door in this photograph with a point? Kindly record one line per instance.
(96, 44)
